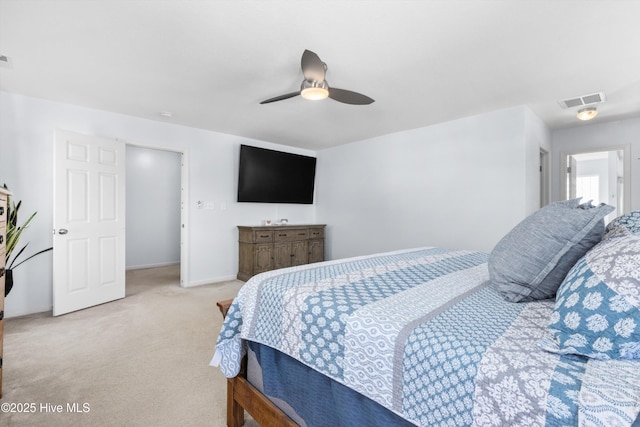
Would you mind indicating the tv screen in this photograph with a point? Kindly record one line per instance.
(268, 176)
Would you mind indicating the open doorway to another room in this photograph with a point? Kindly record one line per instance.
(601, 176)
(153, 210)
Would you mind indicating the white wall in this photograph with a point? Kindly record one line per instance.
(537, 136)
(595, 136)
(600, 168)
(153, 207)
(26, 165)
(461, 184)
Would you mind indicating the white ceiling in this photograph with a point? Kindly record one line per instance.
(210, 63)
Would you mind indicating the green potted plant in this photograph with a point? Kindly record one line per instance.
(14, 231)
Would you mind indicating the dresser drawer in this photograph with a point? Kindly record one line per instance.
(253, 235)
(316, 233)
(260, 236)
(291, 235)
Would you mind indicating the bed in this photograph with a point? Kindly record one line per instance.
(430, 337)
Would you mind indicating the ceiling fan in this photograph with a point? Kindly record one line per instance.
(315, 87)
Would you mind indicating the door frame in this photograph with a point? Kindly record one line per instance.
(626, 167)
(184, 205)
(545, 182)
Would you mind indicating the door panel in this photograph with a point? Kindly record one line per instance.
(316, 251)
(77, 189)
(300, 252)
(264, 258)
(108, 261)
(89, 221)
(282, 255)
(108, 197)
(78, 277)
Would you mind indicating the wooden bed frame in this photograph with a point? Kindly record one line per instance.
(242, 396)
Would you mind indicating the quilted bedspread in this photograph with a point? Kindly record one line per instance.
(423, 333)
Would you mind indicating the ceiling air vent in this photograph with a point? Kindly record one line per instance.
(593, 98)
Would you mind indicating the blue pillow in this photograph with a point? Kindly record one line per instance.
(597, 310)
(630, 221)
(530, 262)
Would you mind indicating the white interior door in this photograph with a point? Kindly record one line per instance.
(88, 221)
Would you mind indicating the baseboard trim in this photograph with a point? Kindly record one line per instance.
(141, 267)
(210, 281)
(23, 313)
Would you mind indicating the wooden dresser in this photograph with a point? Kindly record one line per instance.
(264, 248)
(3, 243)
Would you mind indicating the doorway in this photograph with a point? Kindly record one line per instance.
(154, 208)
(600, 175)
(90, 220)
(544, 177)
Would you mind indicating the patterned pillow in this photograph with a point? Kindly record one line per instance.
(597, 310)
(630, 221)
(530, 262)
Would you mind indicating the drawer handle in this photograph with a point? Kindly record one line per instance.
(1, 239)
(302, 234)
(1, 210)
(264, 236)
(282, 235)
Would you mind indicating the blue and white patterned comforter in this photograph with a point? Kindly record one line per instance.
(424, 334)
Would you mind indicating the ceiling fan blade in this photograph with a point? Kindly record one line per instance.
(312, 67)
(281, 97)
(349, 97)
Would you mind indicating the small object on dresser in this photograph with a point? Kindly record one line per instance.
(267, 222)
(284, 221)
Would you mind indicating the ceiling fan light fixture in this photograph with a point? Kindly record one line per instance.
(314, 91)
(587, 113)
(315, 87)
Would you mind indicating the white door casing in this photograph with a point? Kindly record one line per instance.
(572, 174)
(544, 177)
(621, 169)
(88, 220)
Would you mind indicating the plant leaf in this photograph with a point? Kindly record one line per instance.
(25, 260)
(14, 232)
(17, 255)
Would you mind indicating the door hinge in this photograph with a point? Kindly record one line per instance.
(568, 169)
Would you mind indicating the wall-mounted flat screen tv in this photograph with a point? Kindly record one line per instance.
(269, 176)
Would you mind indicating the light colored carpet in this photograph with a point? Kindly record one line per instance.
(139, 361)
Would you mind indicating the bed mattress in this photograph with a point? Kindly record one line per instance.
(423, 334)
